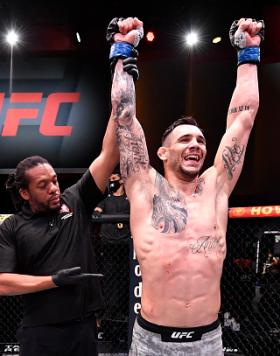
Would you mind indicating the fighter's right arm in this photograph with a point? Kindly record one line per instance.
(134, 158)
(17, 284)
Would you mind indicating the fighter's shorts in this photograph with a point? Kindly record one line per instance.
(153, 340)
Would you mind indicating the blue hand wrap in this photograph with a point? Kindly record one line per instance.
(248, 55)
(121, 50)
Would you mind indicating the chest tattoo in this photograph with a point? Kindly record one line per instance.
(199, 187)
(169, 211)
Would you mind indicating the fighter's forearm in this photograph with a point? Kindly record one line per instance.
(132, 144)
(246, 36)
(246, 93)
(17, 284)
(245, 97)
(123, 96)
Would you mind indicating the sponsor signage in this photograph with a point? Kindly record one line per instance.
(57, 107)
(255, 212)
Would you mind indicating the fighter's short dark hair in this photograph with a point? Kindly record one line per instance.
(186, 120)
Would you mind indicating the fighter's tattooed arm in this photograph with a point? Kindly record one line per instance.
(169, 209)
(241, 115)
(132, 145)
(237, 109)
(232, 156)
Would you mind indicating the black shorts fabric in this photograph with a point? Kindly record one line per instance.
(75, 338)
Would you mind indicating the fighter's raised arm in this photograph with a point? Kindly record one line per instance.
(134, 159)
(103, 165)
(245, 36)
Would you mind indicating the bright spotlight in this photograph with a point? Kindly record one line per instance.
(78, 37)
(192, 39)
(12, 38)
(216, 39)
(150, 36)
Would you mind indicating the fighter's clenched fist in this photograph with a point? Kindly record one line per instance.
(124, 36)
(246, 35)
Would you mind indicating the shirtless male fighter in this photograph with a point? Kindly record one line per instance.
(179, 221)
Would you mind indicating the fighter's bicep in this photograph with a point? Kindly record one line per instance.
(230, 155)
(134, 157)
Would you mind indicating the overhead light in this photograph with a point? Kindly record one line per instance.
(150, 36)
(216, 39)
(78, 37)
(192, 39)
(12, 37)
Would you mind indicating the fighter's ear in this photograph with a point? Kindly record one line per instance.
(162, 153)
(24, 194)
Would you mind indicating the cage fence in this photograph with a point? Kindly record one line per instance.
(113, 262)
(251, 287)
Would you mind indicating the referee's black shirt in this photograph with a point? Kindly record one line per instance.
(42, 244)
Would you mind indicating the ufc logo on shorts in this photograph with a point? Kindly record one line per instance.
(182, 334)
(48, 125)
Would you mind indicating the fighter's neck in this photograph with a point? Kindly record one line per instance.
(183, 184)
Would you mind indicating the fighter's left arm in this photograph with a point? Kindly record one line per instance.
(243, 108)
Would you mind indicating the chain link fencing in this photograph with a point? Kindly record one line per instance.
(113, 262)
(251, 288)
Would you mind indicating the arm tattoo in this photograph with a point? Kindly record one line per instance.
(130, 135)
(232, 157)
(169, 212)
(133, 151)
(238, 109)
(123, 96)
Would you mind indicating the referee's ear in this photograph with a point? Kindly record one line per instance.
(24, 194)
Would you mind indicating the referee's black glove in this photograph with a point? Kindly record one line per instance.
(73, 275)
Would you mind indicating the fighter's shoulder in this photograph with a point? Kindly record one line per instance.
(142, 183)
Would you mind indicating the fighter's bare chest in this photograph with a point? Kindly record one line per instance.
(175, 216)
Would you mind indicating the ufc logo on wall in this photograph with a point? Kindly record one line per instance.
(48, 126)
